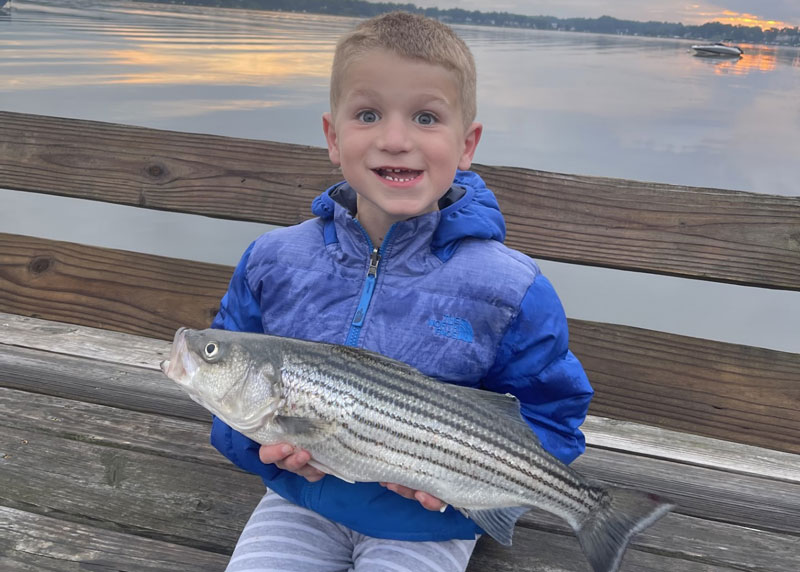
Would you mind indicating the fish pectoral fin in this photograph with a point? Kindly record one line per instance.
(497, 522)
(304, 426)
(326, 469)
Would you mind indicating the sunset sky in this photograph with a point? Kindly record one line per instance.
(764, 13)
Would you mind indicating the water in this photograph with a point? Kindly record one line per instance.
(637, 108)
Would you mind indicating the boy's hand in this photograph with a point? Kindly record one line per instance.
(428, 501)
(288, 458)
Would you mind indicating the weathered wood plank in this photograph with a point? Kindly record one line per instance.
(158, 446)
(164, 170)
(708, 493)
(170, 437)
(87, 380)
(183, 502)
(728, 391)
(698, 540)
(711, 234)
(606, 433)
(106, 288)
(702, 233)
(537, 551)
(690, 449)
(740, 499)
(35, 543)
(83, 341)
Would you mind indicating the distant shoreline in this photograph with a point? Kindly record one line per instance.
(710, 31)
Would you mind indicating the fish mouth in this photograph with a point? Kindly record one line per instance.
(180, 367)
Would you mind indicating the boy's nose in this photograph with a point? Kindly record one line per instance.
(395, 136)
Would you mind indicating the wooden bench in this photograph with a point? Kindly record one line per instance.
(105, 465)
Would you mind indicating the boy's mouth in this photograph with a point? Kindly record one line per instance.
(397, 175)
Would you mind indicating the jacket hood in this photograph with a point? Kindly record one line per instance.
(468, 210)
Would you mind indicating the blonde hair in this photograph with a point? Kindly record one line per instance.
(410, 36)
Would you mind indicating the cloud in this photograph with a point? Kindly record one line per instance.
(788, 10)
(766, 13)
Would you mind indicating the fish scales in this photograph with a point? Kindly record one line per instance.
(391, 401)
(384, 396)
(364, 417)
(464, 409)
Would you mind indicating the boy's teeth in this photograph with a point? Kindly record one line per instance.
(392, 175)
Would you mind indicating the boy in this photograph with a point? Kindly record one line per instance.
(404, 258)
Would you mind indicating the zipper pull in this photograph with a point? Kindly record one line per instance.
(373, 262)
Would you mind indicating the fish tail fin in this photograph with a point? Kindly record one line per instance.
(605, 534)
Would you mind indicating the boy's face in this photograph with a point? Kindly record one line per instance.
(398, 135)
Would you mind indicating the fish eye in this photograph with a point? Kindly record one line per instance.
(211, 350)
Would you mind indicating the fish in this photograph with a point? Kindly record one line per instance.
(367, 418)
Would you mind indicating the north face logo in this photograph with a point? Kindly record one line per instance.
(452, 327)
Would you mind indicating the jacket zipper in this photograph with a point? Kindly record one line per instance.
(366, 291)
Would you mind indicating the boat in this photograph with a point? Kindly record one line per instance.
(718, 49)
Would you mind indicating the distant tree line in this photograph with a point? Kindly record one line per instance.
(714, 31)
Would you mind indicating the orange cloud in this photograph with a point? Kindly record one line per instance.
(738, 19)
(743, 19)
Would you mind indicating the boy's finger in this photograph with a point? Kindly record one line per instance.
(273, 453)
(295, 461)
(428, 501)
(311, 474)
(400, 490)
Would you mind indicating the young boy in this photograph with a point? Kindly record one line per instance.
(404, 258)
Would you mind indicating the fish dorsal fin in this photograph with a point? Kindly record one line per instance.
(505, 405)
(497, 522)
(503, 402)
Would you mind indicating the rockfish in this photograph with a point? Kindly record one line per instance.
(365, 417)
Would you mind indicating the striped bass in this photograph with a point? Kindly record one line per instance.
(365, 417)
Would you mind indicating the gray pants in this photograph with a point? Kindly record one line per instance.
(283, 537)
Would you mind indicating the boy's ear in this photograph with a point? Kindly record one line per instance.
(471, 139)
(330, 137)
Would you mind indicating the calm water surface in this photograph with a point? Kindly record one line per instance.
(636, 108)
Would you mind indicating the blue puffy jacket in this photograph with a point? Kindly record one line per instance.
(442, 294)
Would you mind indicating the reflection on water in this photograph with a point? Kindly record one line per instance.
(636, 108)
(231, 72)
(100, 43)
(755, 59)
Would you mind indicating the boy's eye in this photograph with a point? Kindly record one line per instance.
(367, 116)
(425, 118)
